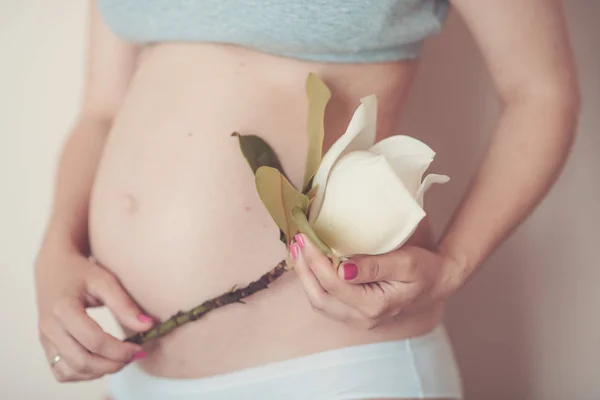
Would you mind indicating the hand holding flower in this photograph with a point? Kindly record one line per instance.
(368, 201)
(365, 291)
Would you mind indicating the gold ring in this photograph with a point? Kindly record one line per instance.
(55, 359)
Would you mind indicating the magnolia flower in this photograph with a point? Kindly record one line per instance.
(369, 197)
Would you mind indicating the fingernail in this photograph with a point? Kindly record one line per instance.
(300, 240)
(144, 318)
(294, 250)
(350, 271)
(139, 355)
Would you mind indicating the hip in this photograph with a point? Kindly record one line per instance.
(417, 367)
(273, 325)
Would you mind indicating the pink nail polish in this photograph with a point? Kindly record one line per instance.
(139, 355)
(294, 250)
(350, 271)
(300, 240)
(144, 318)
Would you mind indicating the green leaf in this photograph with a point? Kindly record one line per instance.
(318, 96)
(299, 216)
(279, 197)
(282, 237)
(258, 153)
(312, 192)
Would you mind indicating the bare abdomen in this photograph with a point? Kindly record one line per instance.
(175, 214)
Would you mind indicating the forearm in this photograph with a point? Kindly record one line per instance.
(527, 152)
(81, 153)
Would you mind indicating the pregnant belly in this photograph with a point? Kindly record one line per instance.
(175, 214)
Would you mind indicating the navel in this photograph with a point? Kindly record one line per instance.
(130, 204)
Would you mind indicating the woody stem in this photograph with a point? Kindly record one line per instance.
(233, 296)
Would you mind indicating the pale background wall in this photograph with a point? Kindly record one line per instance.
(527, 327)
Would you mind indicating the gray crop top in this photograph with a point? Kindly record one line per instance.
(315, 30)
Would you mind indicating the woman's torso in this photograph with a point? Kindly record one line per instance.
(174, 211)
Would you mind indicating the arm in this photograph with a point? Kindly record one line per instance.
(525, 45)
(526, 48)
(66, 281)
(110, 64)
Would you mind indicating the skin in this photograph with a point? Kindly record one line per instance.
(169, 221)
(529, 146)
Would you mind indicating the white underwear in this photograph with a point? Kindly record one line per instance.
(422, 367)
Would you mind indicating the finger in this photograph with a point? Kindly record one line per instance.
(106, 287)
(399, 266)
(321, 301)
(327, 277)
(373, 300)
(75, 362)
(61, 371)
(78, 324)
(64, 373)
(407, 294)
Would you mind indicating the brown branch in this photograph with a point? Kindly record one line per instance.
(233, 296)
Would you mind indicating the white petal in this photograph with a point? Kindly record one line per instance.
(408, 156)
(427, 182)
(360, 135)
(367, 209)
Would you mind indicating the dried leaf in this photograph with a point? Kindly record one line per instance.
(282, 237)
(258, 153)
(299, 216)
(318, 96)
(312, 192)
(280, 197)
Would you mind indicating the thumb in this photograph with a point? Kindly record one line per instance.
(106, 287)
(393, 266)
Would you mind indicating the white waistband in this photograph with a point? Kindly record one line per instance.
(421, 367)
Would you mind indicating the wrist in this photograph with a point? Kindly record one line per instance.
(58, 239)
(455, 272)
